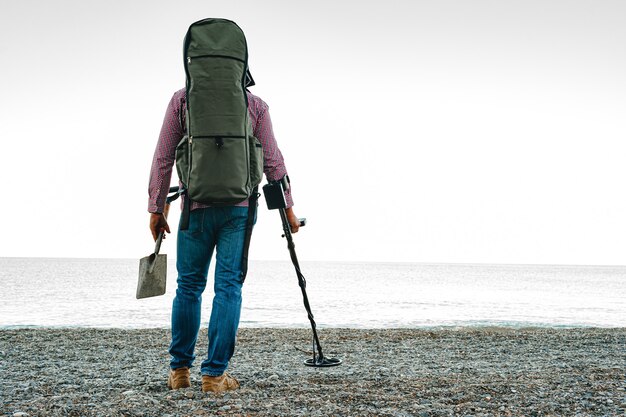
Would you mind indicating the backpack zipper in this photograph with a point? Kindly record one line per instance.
(189, 58)
(191, 138)
(220, 136)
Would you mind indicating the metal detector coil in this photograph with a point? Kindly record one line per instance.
(275, 198)
(322, 362)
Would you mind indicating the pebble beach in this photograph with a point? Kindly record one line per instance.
(485, 371)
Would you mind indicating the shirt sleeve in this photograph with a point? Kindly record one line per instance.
(273, 162)
(164, 156)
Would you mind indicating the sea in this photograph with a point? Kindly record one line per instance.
(100, 293)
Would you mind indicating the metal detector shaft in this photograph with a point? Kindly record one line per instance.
(301, 280)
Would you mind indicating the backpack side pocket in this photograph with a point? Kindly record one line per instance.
(182, 160)
(256, 161)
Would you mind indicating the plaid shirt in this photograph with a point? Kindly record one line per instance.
(172, 132)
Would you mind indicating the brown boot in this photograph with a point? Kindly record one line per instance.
(220, 383)
(178, 378)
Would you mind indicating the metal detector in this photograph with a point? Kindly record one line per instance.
(275, 197)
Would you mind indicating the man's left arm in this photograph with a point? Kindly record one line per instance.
(273, 161)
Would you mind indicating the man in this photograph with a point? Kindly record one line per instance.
(220, 228)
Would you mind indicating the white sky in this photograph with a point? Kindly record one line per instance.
(425, 131)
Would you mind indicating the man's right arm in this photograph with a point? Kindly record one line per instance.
(162, 163)
(165, 154)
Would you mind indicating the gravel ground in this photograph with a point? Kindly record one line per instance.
(404, 372)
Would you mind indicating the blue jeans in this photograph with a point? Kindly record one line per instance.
(223, 228)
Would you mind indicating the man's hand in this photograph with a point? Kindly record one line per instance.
(157, 224)
(293, 220)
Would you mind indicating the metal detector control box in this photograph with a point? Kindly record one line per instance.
(274, 193)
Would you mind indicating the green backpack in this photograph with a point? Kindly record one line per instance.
(219, 161)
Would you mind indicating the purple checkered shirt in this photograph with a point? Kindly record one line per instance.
(172, 132)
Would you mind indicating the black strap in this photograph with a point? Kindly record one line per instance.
(177, 192)
(252, 204)
(184, 218)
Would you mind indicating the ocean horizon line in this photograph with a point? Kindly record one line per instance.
(353, 262)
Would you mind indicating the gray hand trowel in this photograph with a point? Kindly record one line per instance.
(153, 270)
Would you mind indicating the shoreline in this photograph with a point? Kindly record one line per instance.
(479, 371)
(435, 327)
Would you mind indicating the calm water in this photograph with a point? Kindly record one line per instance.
(101, 293)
